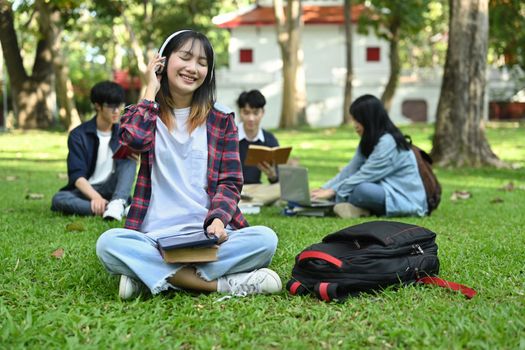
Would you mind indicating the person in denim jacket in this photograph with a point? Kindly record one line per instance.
(382, 178)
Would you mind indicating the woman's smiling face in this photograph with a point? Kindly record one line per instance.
(187, 68)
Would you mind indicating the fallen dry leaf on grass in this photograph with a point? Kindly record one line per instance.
(34, 196)
(329, 132)
(11, 178)
(75, 226)
(59, 253)
(508, 187)
(460, 195)
(497, 200)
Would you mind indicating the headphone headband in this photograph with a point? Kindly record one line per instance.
(166, 42)
(168, 39)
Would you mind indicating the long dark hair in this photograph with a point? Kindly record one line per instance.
(370, 113)
(203, 98)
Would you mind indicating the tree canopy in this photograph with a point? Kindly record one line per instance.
(507, 31)
(89, 40)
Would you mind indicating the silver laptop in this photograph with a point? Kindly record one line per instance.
(294, 187)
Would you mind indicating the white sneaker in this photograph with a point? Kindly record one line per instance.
(349, 211)
(130, 288)
(263, 281)
(115, 210)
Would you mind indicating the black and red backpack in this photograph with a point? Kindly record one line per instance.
(368, 257)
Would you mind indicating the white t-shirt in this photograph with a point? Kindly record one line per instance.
(104, 165)
(242, 134)
(179, 202)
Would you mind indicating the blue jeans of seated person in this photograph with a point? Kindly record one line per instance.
(117, 186)
(370, 196)
(135, 254)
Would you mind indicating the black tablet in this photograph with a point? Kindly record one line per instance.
(191, 240)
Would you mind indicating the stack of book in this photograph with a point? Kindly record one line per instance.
(248, 207)
(188, 248)
(296, 210)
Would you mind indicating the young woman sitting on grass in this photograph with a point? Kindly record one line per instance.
(382, 178)
(190, 179)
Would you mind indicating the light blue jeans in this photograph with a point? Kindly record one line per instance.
(369, 195)
(135, 254)
(117, 186)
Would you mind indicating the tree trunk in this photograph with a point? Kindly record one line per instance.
(68, 112)
(31, 94)
(288, 107)
(293, 111)
(349, 65)
(140, 51)
(300, 85)
(395, 65)
(459, 138)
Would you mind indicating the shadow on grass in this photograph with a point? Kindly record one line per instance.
(36, 160)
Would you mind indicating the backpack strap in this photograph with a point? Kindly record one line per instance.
(315, 254)
(466, 291)
(295, 287)
(326, 291)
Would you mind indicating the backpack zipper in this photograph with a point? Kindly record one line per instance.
(417, 249)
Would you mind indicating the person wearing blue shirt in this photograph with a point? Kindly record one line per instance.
(97, 184)
(382, 178)
(251, 112)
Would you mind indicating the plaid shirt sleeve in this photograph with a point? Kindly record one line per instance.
(137, 125)
(229, 179)
(137, 131)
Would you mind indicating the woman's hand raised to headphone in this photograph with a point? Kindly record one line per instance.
(156, 64)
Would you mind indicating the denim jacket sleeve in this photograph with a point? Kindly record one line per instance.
(353, 166)
(378, 166)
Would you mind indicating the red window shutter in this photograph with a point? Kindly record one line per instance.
(373, 54)
(246, 56)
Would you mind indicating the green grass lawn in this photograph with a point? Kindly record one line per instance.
(71, 302)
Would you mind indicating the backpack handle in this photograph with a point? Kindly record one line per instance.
(315, 254)
(466, 291)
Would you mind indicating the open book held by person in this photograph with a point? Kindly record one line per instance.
(188, 248)
(272, 155)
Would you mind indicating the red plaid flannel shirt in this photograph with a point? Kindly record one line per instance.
(137, 131)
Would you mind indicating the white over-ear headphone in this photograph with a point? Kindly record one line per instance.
(166, 42)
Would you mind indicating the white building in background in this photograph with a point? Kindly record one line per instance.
(255, 63)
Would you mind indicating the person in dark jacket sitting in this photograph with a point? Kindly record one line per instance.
(251, 111)
(97, 184)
